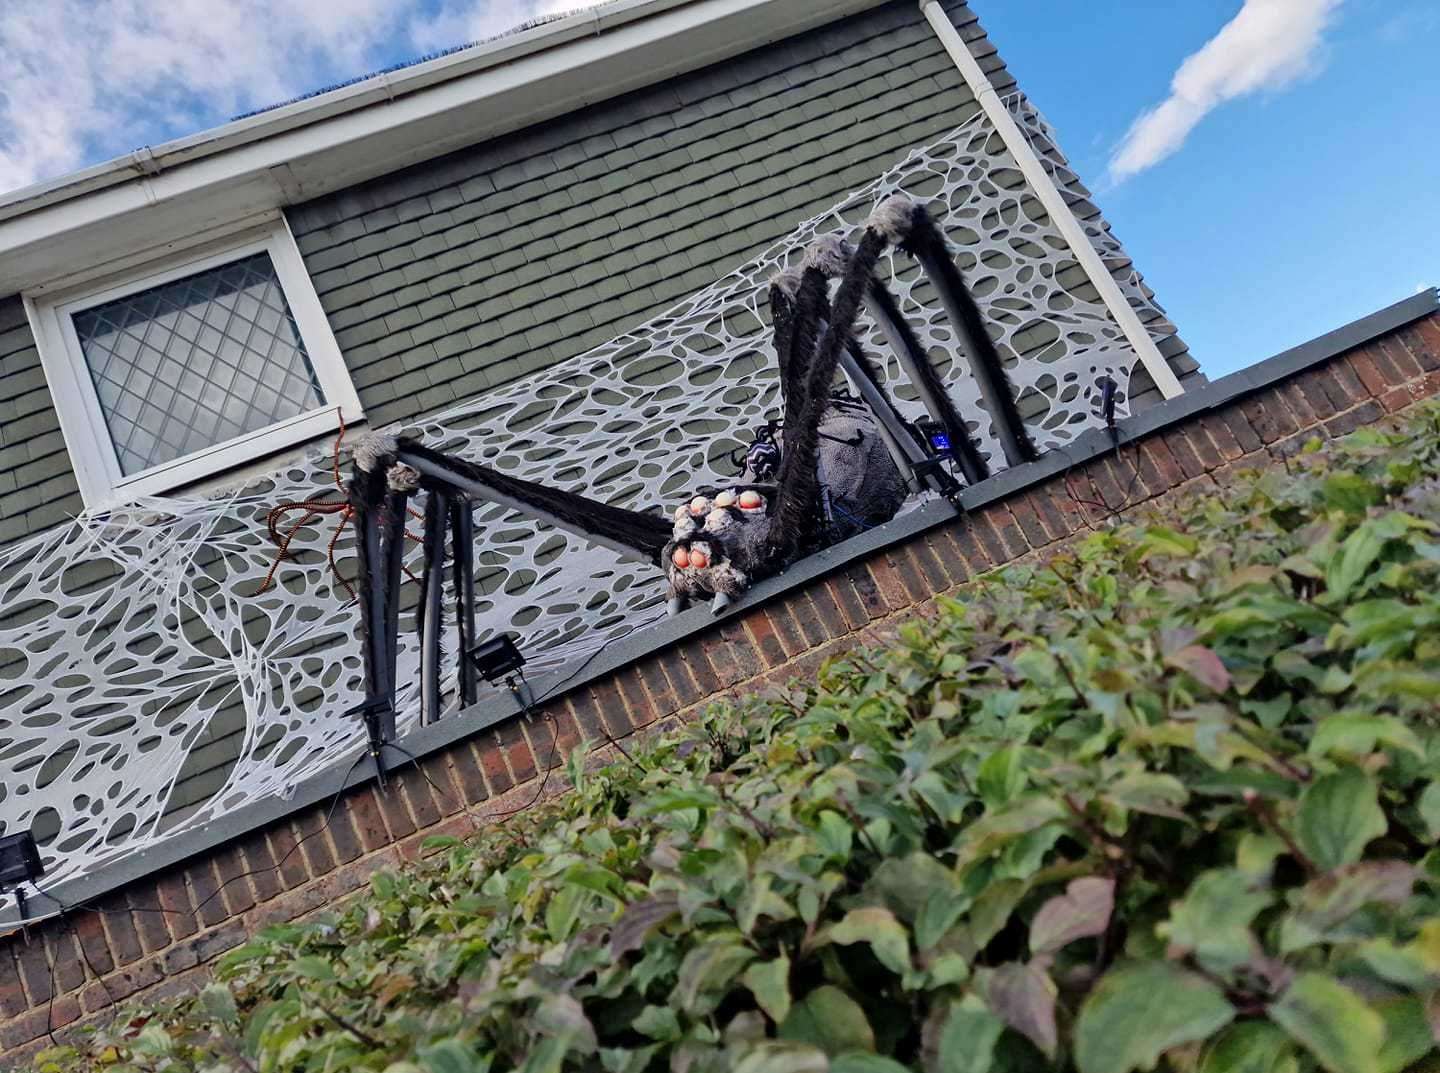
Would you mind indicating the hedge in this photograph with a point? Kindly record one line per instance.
(1167, 799)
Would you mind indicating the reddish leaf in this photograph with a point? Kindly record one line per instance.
(1024, 998)
(1203, 665)
(1083, 910)
(638, 920)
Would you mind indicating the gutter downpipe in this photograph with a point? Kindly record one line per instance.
(1054, 202)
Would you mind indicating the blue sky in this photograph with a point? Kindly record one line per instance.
(1283, 183)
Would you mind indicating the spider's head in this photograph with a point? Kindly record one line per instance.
(720, 552)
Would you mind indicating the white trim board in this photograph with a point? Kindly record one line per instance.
(344, 137)
(82, 422)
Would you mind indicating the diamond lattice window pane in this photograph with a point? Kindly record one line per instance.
(195, 362)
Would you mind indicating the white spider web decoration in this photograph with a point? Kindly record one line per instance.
(127, 638)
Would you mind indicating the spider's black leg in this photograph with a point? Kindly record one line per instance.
(909, 224)
(366, 491)
(629, 533)
(886, 312)
(430, 617)
(462, 547)
(793, 513)
(400, 482)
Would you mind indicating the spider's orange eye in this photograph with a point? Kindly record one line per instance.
(680, 557)
(699, 506)
(699, 560)
(751, 500)
(725, 499)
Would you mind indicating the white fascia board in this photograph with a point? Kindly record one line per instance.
(116, 211)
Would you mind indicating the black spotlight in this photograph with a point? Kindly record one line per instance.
(496, 658)
(19, 863)
(19, 860)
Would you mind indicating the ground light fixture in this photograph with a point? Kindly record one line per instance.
(496, 658)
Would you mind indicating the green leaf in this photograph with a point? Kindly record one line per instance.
(772, 1057)
(707, 971)
(1002, 775)
(830, 1019)
(1332, 1023)
(313, 968)
(1350, 492)
(658, 1022)
(1353, 559)
(1337, 817)
(639, 919)
(1408, 1037)
(881, 930)
(1429, 809)
(1353, 734)
(1082, 911)
(967, 1040)
(451, 1056)
(1139, 1011)
(860, 1062)
(1250, 1047)
(1212, 921)
(769, 982)
(219, 1003)
(1151, 792)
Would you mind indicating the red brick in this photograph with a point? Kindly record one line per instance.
(677, 671)
(1422, 339)
(1399, 356)
(792, 639)
(1198, 444)
(1238, 423)
(1395, 399)
(1367, 413)
(234, 883)
(902, 561)
(68, 969)
(693, 653)
(468, 773)
(1319, 391)
(766, 641)
(847, 600)
(12, 991)
(827, 611)
(1367, 372)
(289, 861)
(1029, 521)
(1221, 436)
(1179, 447)
(174, 897)
(888, 582)
(261, 863)
(367, 817)
(1011, 538)
(658, 686)
(490, 751)
(1168, 466)
(205, 888)
(806, 618)
(314, 845)
(94, 946)
(738, 649)
(613, 709)
(931, 568)
(34, 968)
(441, 781)
(638, 711)
(127, 981)
(988, 537)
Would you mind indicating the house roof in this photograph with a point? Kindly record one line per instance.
(158, 195)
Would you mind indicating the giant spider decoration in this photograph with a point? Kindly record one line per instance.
(835, 465)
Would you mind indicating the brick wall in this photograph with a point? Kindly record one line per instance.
(154, 938)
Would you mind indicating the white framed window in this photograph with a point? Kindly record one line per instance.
(185, 368)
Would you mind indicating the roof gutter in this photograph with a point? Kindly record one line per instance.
(294, 153)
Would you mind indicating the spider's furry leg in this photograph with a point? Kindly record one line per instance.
(400, 482)
(793, 512)
(886, 312)
(462, 549)
(366, 490)
(430, 616)
(908, 224)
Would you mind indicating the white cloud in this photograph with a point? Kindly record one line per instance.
(90, 79)
(1267, 45)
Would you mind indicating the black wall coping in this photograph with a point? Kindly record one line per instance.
(500, 706)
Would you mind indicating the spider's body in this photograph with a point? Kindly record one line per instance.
(836, 465)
